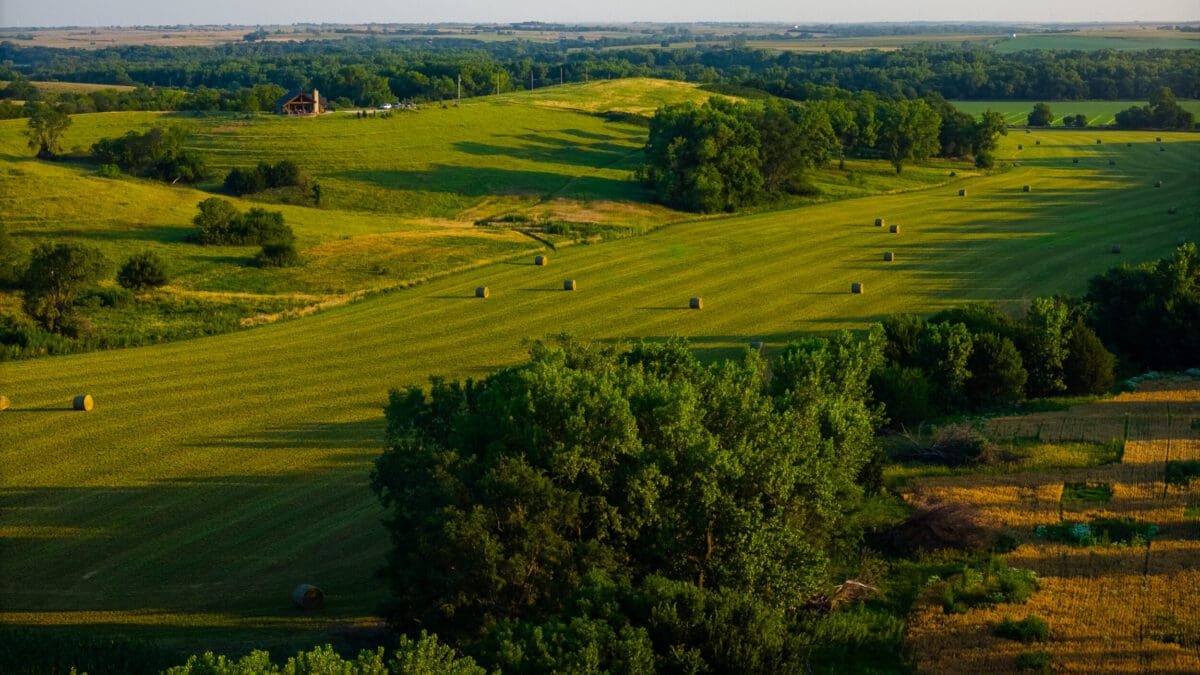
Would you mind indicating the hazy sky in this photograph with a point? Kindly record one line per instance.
(251, 12)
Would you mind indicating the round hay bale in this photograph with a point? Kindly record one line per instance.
(856, 287)
(541, 261)
(1112, 162)
(1158, 183)
(482, 292)
(569, 285)
(1016, 164)
(1075, 161)
(1129, 145)
(1158, 139)
(962, 193)
(1037, 142)
(1171, 211)
(1116, 248)
(887, 256)
(308, 597)
(1162, 148)
(894, 229)
(696, 303)
(1097, 141)
(1025, 188)
(4, 403)
(879, 222)
(84, 403)
(1020, 147)
(756, 346)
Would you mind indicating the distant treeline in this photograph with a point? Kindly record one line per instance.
(371, 71)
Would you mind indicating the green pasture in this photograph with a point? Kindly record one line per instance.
(216, 474)
(1099, 113)
(1088, 42)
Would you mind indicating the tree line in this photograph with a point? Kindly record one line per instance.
(371, 72)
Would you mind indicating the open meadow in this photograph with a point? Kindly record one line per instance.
(217, 473)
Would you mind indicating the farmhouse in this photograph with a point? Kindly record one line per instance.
(300, 103)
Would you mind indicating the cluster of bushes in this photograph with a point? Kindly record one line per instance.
(991, 583)
(1099, 532)
(220, 223)
(424, 655)
(976, 358)
(285, 173)
(158, 153)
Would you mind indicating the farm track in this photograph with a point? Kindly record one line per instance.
(217, 473)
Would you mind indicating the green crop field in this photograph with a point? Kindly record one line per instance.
(1093, 41)
(1099, 113)
(215, 474)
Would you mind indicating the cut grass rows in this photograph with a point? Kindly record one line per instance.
(270, 432)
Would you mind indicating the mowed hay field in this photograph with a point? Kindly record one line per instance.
(1126, 609)
(216, 474)
(1099, 113)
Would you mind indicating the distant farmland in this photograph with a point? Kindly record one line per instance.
(1099, 113)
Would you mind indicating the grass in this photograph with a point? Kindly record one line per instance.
(1099, 113)
(1088, 42)
(1086, 493)
(215, 474)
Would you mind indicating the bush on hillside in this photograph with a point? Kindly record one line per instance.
(280, 254)
(142, 271)
(285, 173)
(220, 223)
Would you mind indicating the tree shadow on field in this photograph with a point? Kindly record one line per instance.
(551, 150)
(471, 181)
(160, 233)
(367, 434)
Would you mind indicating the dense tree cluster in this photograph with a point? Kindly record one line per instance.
(158, 153)
(630, 510)
(1150, 313)
(53, 279)
(722, 156)
(977, 358)
(220, 223)
(1164, 112)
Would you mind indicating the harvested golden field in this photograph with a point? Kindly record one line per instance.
(1114, 608)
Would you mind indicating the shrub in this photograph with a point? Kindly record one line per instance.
(248, 181)
(279, 254)
(109, 171)
(1181, 472)
(220, 223)
(1087, 493)
(988, 584)
(1099, 532)
(142, 271)
(1029, 629)
(985, 160)
(1034, 661)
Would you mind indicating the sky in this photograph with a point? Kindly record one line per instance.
(255, 12)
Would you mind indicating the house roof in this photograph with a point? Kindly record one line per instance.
(288, 97)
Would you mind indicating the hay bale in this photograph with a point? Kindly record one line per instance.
(1097, 141)
(856, 287)
(962, 193)
(541, 261)
(1162, 148)
(1016, 164)
(569, 285)
(1025, 188)
(1020, 147)
(1116, 248)
(1075, 161)
(1112, 162)
(894, 229)
(1171, 211)
(887, 256)
(482, 292)
(308, 597)
(1037, 142)
(1158, 139)
(696, 303)
(879, 222)
(84, 403)
(4, 403)
(1158, 183)
(756, 346)
(1129, 145)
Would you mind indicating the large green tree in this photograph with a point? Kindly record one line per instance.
(908, 131)
(1040, 116)
(55, 276)
(511, 497)
(45, 129)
